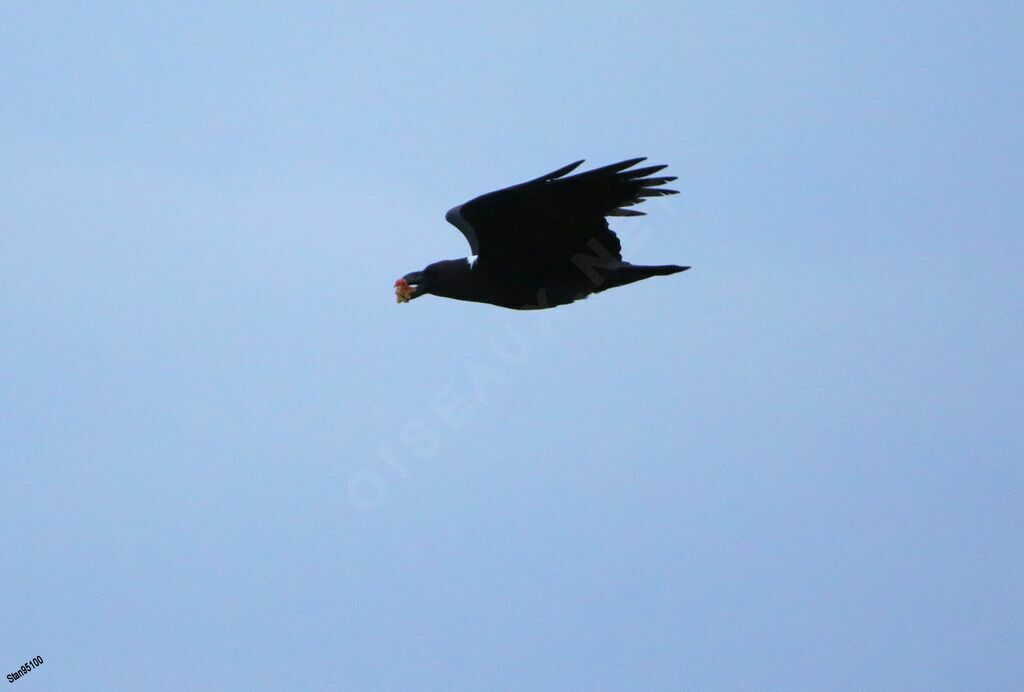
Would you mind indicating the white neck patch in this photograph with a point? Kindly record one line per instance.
(471, 260)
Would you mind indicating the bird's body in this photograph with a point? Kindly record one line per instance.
(464, 279)
(545, 242)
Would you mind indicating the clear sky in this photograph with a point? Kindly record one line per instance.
(231, 462)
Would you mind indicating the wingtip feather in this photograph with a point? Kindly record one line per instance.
(641, 172)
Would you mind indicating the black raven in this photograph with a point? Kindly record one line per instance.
(544, 242)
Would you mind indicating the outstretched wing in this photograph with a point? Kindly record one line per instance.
(552, 218)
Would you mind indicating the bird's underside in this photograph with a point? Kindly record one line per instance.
(545, 242)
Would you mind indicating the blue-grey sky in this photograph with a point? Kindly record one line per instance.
(228, 460)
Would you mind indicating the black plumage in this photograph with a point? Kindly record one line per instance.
(545, 242)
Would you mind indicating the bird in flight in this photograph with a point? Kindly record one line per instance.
(545, 242)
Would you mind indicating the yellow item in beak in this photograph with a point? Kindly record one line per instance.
(403, 291)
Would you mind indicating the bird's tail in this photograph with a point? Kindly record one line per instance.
(626, 273)
(659, 270)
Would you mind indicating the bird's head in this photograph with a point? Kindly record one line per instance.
(444, 278)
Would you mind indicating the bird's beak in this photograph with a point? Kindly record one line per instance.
(409, 287)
